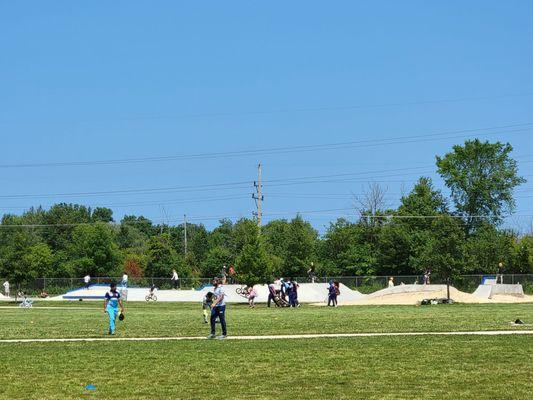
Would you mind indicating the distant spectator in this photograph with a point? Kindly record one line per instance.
(311, 273)
(124, 281)
(6, 288)
(500, 273)
(391, 282)
(43, 295)
(232, 274)
(175, 279)
(223, 275)
(87, 280)
(427, 274)
(252, 294)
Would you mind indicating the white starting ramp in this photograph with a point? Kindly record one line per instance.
(491, 290)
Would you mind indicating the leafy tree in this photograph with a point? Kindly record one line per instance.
(344, 250)
(216, 257)
(275, 235)
(254, 265)
(93, 250)
(63, 218)
(523, 254)
(38, 261)
(486, 247)
(444, 251)
(481, 177)
(162, 258)
(301, 248)
(102, 214)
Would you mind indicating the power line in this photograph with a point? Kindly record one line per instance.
(523, 127)
(348, 107)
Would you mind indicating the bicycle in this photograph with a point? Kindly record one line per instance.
(26, 303)
(242, 291)
(151, 297)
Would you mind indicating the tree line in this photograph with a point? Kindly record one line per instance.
(459, 234)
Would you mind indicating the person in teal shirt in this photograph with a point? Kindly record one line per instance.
(112, 303)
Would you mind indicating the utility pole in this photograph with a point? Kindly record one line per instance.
(258, 196)
(185, 233)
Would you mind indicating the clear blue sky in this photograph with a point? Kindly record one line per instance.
(86, 81)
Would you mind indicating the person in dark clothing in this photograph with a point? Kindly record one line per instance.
(333, 292)
(218, 310)
(293, 293)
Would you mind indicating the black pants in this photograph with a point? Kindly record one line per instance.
(220, 313)
(332, 298)
(175, 283)
(270, 298)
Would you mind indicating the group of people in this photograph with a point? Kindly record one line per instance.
(284, 290)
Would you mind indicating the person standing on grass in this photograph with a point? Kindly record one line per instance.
(175, 279)
(333, 292)
(6, 288)
(112, 303)
(218, 310)
(293, 293)
(271, 294)
(252, 294)
(207, 304)
(87, 281)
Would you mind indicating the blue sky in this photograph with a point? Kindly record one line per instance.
(88, 81)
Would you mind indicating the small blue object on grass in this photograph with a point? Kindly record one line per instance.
(90, 387)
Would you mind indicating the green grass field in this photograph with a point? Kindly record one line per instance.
(410, 367)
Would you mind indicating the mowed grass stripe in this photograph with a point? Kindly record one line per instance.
(272, 337)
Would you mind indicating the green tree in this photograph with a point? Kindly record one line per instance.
(93, 250)
(216, 257)
(481, 177)
(102, 214)
(344, 250)
(253, 264)
(302, 241)
(444, 252)
(162, 258)
(487, 247)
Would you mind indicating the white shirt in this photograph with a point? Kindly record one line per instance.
(175, 276)
(124, 278)
(87, 279)
(6, 285)
(218, 292)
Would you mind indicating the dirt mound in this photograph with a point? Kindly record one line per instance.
(414, 294)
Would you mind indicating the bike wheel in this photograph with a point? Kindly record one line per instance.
(154, 298)
(147, 298)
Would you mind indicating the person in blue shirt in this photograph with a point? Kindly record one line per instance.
(218, 310)
(112, 303)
